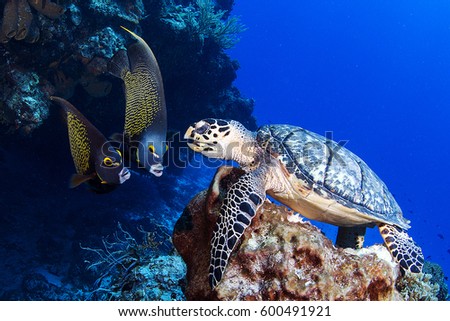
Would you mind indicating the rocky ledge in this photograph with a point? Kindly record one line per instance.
(282, 257)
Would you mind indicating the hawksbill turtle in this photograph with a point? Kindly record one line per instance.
(310, 174)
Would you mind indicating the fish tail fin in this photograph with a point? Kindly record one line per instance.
(119, 64)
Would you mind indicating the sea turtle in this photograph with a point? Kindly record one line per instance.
(309, 173)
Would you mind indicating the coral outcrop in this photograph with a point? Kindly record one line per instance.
(132, 11)
(132, 270)
(196, 70)
(23, 104)
(18, 21)
(204, 22)
(282, 257)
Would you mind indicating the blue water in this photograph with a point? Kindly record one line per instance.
(375, 73)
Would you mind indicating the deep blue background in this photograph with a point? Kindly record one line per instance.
(376, 73)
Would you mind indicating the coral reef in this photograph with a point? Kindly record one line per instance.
(132, 270)
(282, 257)
(24, 104)
(47, 8)
(72, 51)
(205, 22)
(418, 287)
(130, 10)
(437, 277)
(196, 70)
(156, 279)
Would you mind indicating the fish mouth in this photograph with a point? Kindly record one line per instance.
(124, 175)
(156, 169)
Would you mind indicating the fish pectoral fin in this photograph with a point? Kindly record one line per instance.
(119, 65)
(78, 179)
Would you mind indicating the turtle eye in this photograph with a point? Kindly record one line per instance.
(151, 148)
(201, 128)
(107, 162)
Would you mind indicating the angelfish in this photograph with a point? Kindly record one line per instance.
(97, 162)
(145, 131)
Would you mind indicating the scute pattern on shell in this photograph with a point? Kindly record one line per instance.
(331, 170)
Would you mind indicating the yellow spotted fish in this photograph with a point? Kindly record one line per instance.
(145, 127)
(97, 163)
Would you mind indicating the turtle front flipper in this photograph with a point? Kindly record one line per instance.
(402, 247)
(236, 213)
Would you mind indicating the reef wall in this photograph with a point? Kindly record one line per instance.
(63, 48)
(281, 257)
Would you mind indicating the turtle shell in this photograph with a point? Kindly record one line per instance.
(331, 171)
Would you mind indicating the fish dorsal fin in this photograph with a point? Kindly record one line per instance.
(78, 179)
(145, 103)
(119, 65)
(141, 56)
(85, 140)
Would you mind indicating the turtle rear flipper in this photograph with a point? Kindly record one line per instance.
(403, 248)
(236, 213)
(352, 237)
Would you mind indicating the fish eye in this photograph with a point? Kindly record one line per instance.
(107, 161)
(151, 148)
(167, 147)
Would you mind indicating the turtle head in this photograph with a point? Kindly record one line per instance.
(223, 139)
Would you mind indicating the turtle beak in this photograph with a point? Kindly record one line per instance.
(190, 137)
(190, 132)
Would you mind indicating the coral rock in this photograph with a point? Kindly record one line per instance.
(280, 257)
(132, 10)
(25, 104)
(18, 19)
(9, 23)
(25, 19)
(48, 8)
